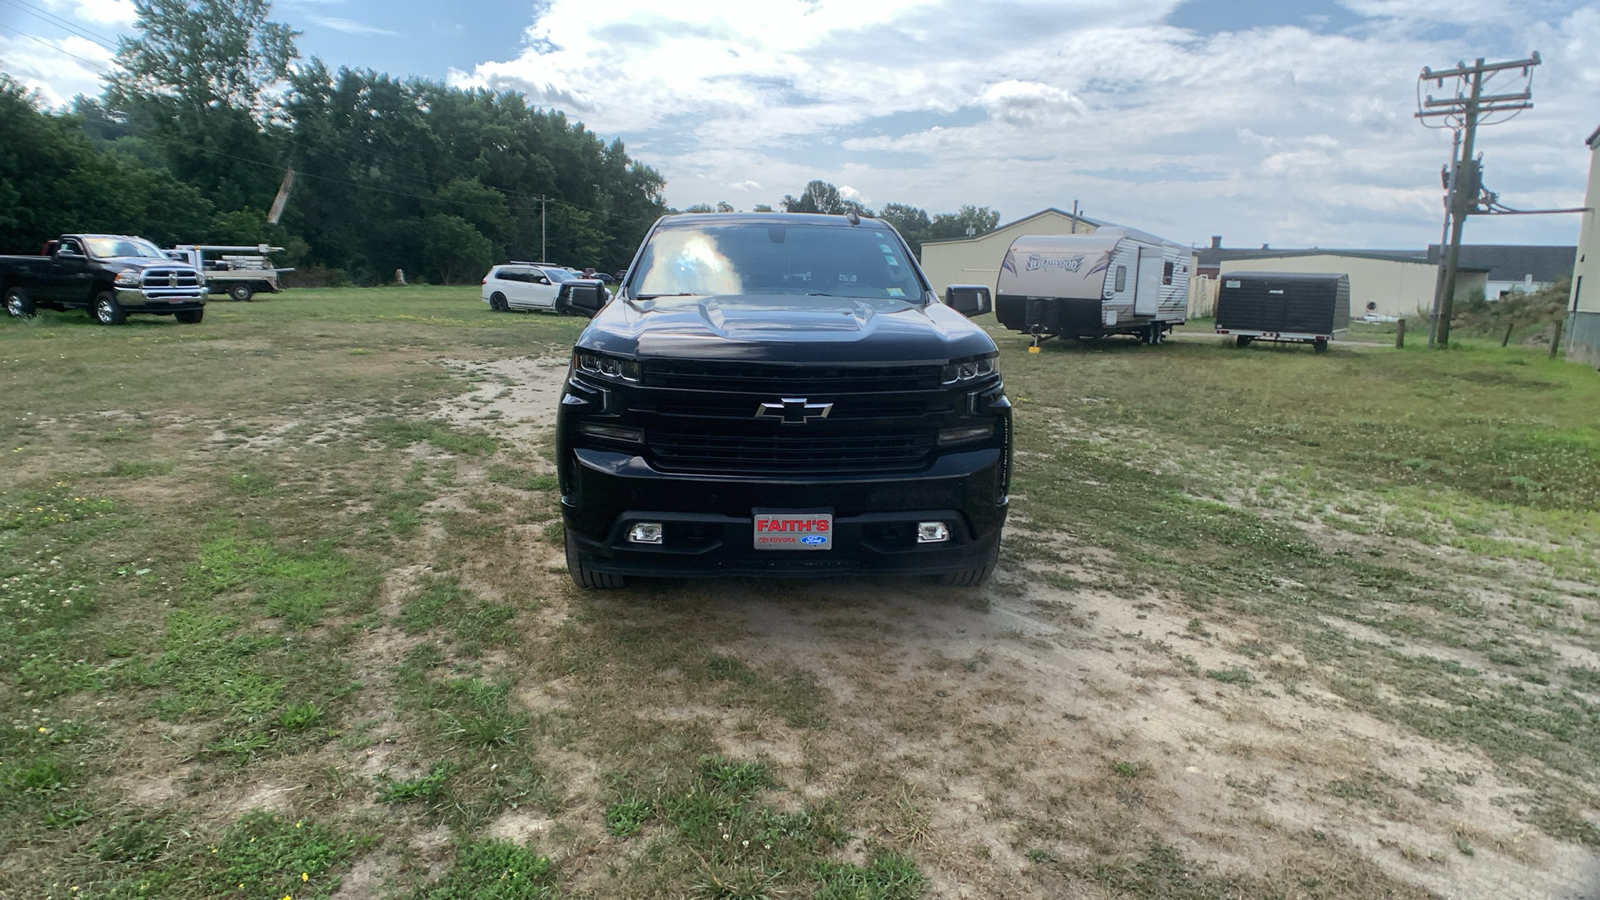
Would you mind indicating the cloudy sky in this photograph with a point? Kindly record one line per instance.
(1287, 122)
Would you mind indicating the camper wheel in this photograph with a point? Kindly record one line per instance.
(1242, 341)
(1320, 345)
(1154, 334)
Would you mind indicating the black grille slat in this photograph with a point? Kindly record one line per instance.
(783, 455)
(743, 408)
(767, 378)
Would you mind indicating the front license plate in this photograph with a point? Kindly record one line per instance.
(794, 531)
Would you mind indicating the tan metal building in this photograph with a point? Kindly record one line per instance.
(1397, 284)
(1583, 323)
(976, 260)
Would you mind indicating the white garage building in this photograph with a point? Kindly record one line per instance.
(1392, 283)
(1583, 322)
(976, 260)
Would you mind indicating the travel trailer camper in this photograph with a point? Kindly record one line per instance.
(1115, 281)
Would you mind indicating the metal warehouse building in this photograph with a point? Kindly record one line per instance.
(976, 260)
(1583, 325)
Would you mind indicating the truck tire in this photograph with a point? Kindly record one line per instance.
(973, 577)
(18, 304)
(190, 316)
(585, 577)
(1242, 341)
(106, 310)
(241, 292)
(497, 302)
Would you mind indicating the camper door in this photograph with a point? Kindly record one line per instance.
(1147, 296)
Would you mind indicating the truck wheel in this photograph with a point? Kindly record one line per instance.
(1319, 345)
(241, 292)
(18, 304)
(497, 302)
(106, 310)
(585, 577)
(973, 577)
(190, 316)
(1242, 341)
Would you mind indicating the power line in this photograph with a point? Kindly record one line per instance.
(38, 40)
(61, 23)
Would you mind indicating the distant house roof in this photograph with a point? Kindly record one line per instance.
(1212, 256)
(1410, 256)
(1046, 211)
(1512, 262)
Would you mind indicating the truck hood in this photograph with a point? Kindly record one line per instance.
(784, 328)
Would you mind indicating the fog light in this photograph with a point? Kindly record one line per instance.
(932, 532)
(645, 533)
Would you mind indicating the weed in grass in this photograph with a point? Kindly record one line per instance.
(401, 433)
(627, 815)
(274, 857)
(521, 479)
(253, 482)
(888, 876)
(429, 787)
(493, 870)
(1232, 675)
(299, 716)
(127, 468)
(1125, 769)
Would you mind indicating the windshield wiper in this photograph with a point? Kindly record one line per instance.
(679, 294)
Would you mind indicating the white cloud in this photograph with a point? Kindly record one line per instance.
(58, 69)
(350, 26)
(1025, 104)
(103, 12)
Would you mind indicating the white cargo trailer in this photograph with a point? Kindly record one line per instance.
(1114, 281)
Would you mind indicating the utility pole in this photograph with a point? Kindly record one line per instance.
(1074, 217)
(1466, 113)
(544, 255)
(1444, 236)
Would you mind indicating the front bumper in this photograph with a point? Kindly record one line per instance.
(139, 301)
(708, 520)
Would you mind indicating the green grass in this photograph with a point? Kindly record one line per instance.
(222, 606)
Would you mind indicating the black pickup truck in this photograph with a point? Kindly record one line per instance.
(774, 394)
(108, 275)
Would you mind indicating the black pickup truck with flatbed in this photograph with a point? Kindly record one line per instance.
(109, 275)
(782, 394)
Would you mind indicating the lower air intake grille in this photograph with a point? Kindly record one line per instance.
(784, 455)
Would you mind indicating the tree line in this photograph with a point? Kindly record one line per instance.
(207, 111)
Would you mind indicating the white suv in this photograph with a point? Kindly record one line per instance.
(525, 286)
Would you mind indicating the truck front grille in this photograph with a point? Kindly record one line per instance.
(171, 278)
(790, 381)
(783, 455)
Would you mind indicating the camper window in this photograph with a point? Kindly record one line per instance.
(1122, 279)
(1166, 273)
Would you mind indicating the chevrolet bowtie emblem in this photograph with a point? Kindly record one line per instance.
(794, 410)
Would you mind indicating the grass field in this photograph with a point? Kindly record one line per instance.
(283, 614)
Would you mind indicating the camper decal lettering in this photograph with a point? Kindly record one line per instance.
(1064, 263)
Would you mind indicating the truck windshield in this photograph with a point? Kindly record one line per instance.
(123, 248)
(774, 257)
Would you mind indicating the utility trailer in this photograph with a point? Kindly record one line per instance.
(1114, 281)
(239, 272)
(1284, 307)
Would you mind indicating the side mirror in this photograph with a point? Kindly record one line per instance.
(68, 253)
(968, 299)
(586, 298)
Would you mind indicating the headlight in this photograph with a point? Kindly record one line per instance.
(128, 279)
(967, 370)
(615, 368)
